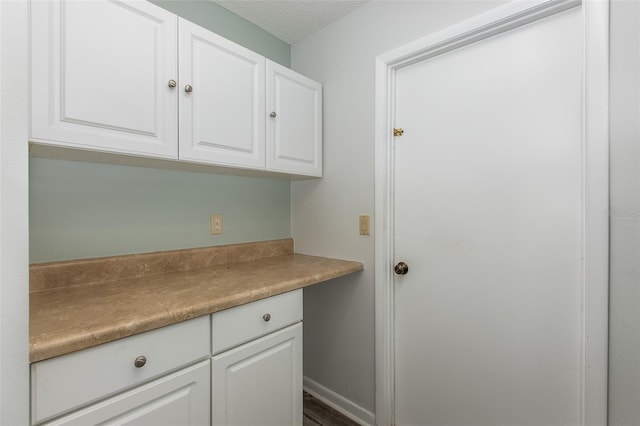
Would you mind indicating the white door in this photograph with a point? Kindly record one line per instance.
(181, 398)
(100, 76)
(221, 100)
(259, 383)
(294, 126)
(488, 218)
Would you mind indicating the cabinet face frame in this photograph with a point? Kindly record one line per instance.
(294, 125)
(222, 119)
(101, 91)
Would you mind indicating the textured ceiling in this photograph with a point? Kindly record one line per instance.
(291, 20)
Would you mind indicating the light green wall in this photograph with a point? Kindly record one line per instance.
(81, 210)
(216, 18)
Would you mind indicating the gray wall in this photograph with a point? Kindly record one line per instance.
(339, 316)
(80, 210)
(624, 324)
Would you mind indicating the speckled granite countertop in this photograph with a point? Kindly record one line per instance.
(79, 304)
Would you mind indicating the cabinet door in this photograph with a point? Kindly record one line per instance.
(260, 383)
(181, 399)
(222, 116)
(100, 72)
(294, 126)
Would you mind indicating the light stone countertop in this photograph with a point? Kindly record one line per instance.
(69, 318)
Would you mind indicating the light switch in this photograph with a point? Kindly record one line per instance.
(216, 224)
(365, 225)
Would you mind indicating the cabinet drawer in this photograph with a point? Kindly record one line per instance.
(181, 398)
(70, 381)
(239, 325)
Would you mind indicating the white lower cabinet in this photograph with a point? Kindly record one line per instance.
(260, 382)
(181, 399)
(256, 372)
(240, 366)
(70, 382)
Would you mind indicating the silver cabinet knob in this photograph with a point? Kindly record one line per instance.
(401, 268)
(172, 83)
(188, 88)
(273, 114)
(140, 361)
(266, 317)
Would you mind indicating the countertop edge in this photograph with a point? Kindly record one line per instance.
(43, 346)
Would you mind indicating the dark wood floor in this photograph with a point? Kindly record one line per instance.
(318, 414)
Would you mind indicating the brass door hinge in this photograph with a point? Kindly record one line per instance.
(398, 132)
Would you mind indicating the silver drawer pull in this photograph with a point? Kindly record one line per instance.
(140, 361)
(266, 317)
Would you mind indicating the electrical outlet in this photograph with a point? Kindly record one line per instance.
(365, 225)
(216, 224)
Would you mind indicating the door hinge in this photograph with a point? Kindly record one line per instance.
(398, 132)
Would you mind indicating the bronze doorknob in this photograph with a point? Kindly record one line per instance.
(401, 268)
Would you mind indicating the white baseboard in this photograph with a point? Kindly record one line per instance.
(339, 403)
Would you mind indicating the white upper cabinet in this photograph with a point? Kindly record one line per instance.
(129, 77)
(222, 117)
(294, 125)
(100, 76)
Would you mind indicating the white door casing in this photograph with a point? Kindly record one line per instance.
(594, 163)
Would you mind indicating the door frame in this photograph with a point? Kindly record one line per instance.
(595, 190)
